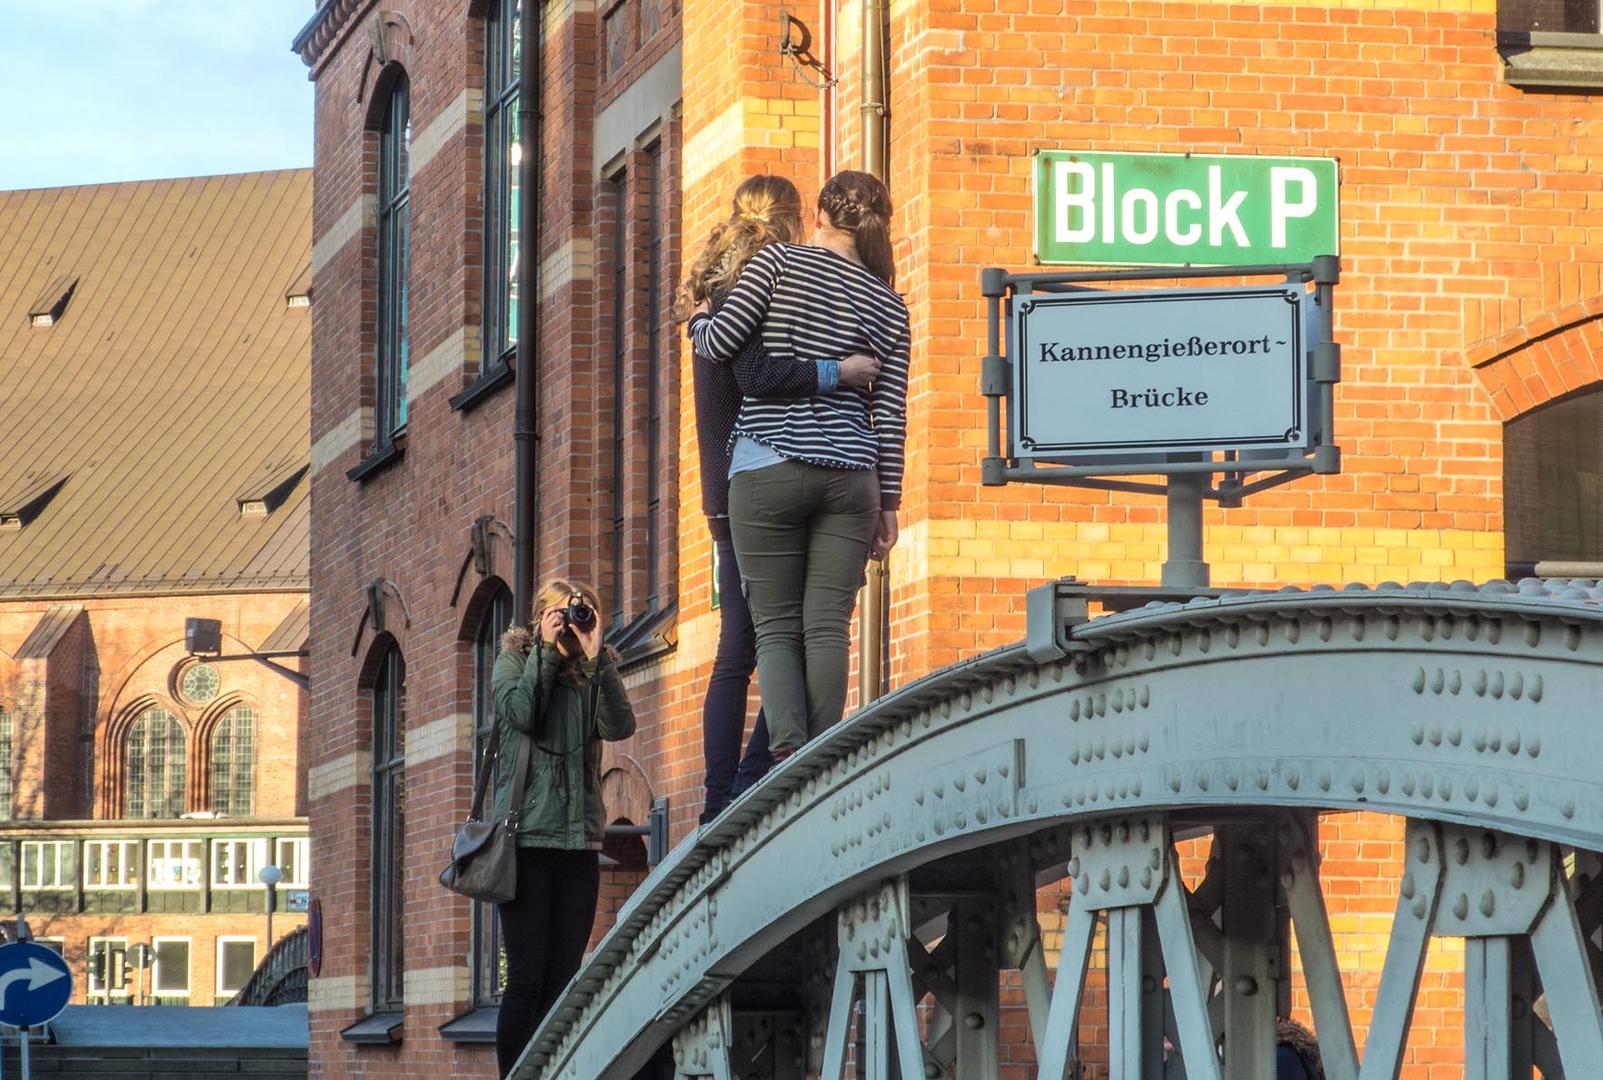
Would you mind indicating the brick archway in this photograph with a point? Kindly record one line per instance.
(1547, 358)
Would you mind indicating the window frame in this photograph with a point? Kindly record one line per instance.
(65, 882)
(485, 970)
(303, 845)
(655, 374)
(256, 847)
(392, 267)
(230, 763)
(174, 788)
(221, 954)
(618, 183)
(386, 883)
(108, 992)
(155, 882)
(502, 186)
(129, 870)
(7, 761)
(156, 988)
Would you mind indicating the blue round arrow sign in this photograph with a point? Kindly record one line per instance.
(35, 984)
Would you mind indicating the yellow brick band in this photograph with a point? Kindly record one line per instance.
(1238, 554)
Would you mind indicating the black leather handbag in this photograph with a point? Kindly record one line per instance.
(484, 855)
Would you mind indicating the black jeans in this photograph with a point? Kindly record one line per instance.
(723, 715)
(544, 929)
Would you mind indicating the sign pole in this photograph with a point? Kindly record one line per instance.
(26, 1073)
(1185, 566)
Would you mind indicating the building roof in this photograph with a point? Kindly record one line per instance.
(155, 386)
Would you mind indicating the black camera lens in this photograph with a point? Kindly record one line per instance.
(580, 615)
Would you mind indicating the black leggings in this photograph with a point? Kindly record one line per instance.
(544, 930)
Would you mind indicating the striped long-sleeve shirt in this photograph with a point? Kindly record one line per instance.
(809, 302)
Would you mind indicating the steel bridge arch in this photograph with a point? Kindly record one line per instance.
(1470, 711)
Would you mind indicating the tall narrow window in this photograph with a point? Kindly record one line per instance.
(489, 970)
(1553, 487)
(5, 764)
(1548, 16)
(233, 762)
(394, 191)
(502, 157)
(155, 766)
(620, 372)
(389, 832)
(653, 555)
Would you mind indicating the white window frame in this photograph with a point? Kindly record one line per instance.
(226, 939)
(64, 881)
(257, 848)
(59, 943)
(127, 864)
(89, 972)
(303, 849)
(154, 880)
(156, 989)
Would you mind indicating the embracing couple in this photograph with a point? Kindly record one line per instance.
(801, 357)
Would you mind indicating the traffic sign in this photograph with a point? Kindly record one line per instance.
(35, 984)
(1111, 209)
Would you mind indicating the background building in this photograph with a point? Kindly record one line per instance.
(1468, 312)
(154, 350)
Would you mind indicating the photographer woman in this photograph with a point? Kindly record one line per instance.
(766, 210)
(556, 685)
(815, 483)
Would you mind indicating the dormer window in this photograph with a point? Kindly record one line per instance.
(20, 508)
(48, 309)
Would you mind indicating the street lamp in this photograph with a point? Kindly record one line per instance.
(270, 876)
(204, 637)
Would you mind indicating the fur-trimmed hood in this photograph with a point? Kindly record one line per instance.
(518, 638)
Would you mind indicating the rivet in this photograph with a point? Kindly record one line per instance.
(1356, 780)
(1293, 779)
(1455, 733)
(1533, 634)
(973, 1021)
(1488, 904)
(1416, 731)
(1513, 742)
(1494, 741)
(1488, 845)
(1455, 682)
(1202, 781)
(1324, 778)
(1516, 685)
(1497, 685)
(1124, 877)
(1472, 788)
(1246, 985)
(1383, 782)
(1418, 907)
(1522, 799)
(1572, 638)
(1461, 907)
(1536, 688)
(1435, 733)
(1568, 808)
(1146, 878)
(1516, 875)
(1232, 779)
(1533, 745)
(1408, 784)
(1105, 881)
(1461, 851)
(1480, 683)
(1407, 887)
(1419, 680)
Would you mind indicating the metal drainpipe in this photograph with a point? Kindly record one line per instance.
(526, 420)
(873, 633)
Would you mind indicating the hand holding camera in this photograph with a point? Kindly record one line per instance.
(574, 625)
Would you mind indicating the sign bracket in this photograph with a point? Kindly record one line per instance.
(1222, 474)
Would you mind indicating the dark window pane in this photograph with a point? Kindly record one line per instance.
(172, 967)
(233, 762)
(237, 965)
(1553, 482)
(389, 831)
(1548, 16)
(489, 976)
(155, 758)
(395, 135)
(620, 370)
(5, 765)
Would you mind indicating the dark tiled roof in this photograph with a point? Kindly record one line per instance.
(174, 381)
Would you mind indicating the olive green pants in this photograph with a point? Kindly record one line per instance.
(802, 534)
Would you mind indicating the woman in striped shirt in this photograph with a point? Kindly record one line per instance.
(815, 482)
(765, 210)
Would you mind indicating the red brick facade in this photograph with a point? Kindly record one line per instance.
(1469, 296)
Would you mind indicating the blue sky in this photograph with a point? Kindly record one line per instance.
(103, 90)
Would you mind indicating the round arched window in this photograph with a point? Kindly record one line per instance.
(199, 683)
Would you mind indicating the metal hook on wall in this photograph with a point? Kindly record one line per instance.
(796, 42)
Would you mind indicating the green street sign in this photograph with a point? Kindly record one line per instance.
(1098, 209)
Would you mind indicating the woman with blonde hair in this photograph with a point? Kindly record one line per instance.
(766, 210)
(557, 686)
(815, 483)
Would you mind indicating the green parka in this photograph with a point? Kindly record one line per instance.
(565, 725)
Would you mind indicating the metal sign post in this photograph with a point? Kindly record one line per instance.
(35, 985)
(1223, 392)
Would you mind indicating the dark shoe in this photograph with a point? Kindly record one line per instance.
(781, 756)
(710, 814)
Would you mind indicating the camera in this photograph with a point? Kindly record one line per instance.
(579, 615)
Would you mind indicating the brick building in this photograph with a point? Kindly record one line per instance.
(1468, 135)
(155, 345)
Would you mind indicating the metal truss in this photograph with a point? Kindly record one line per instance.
(856, 914)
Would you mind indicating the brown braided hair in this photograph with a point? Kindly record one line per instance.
(858, 203)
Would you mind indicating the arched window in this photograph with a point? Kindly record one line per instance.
(155, 765)
(489, 971)
(1553, 486)
(394, 230)
(389, 831)
(233, 763)
(5, 764)
(501, 166)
